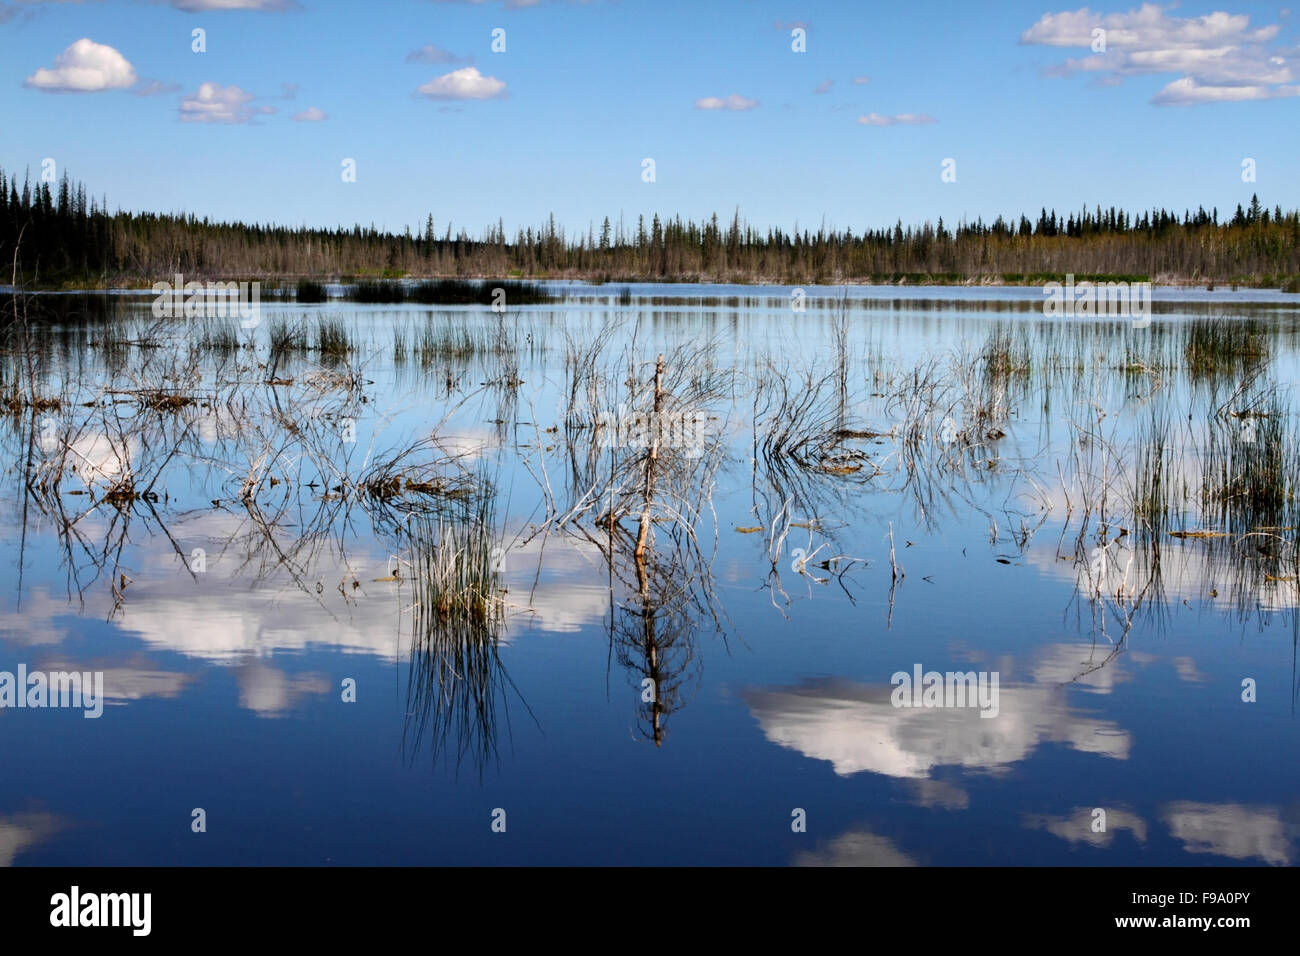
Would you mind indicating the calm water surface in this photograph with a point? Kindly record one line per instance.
(683, 708)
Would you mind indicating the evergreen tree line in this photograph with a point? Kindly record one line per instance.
(60, 235)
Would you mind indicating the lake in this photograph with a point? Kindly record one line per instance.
(654, 574)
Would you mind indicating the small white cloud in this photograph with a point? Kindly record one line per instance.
(733, 102)
(84, 67)
(311, 115)
(857, 848)
(466, 83)
(435, 54)
(824, 86)
(902, 119)
(861, 80)
(1187, 92)
(202, 6)
(213, 103)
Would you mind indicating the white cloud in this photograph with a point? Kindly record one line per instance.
(733, 102)
(466, 83)
(311, 115)
(855, 848)
(1077, 825)
(824, 86)
(213, 103)
(856, 728)
(1220, 56)
(435, 54)
(85, 67)
(861, 80)
(270, 692)
(902, 119)
(1230, 829)
(1187, 92)
(202, 6)
(24, 830)
(1146, 28)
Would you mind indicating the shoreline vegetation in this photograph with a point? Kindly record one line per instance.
(54, 237)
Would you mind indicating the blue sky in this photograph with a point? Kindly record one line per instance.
(561, 121)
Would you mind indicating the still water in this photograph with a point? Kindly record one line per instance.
(262, 540)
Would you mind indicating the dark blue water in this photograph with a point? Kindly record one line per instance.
(777, 741)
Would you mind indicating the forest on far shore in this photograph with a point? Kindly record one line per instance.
(55, 236)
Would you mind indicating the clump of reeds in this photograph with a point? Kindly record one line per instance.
(1156, 484)
(1223, 348)
(454, 565)
(332, 339)
(444, 339)
(456, 678)
(1006, 355)
(286, 336)
(1251, 466)
(219, 334)
(163, 400)
(1004, 363)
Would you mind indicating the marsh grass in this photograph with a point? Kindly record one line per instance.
(219, 334)
(332, 338)
(1006, 367)
(286, 336)
(1252, 465)
(1225, 348)
(456, 680)
(453, 566)
(1157, 484)
(442, 338)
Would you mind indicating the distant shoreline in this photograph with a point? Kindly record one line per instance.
(275, 283)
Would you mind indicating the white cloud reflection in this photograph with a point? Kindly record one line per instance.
(1232, 830)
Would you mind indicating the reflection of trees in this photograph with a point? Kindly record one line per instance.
(642, 460)
(667, 597)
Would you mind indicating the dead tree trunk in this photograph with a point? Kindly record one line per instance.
(652, 460)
